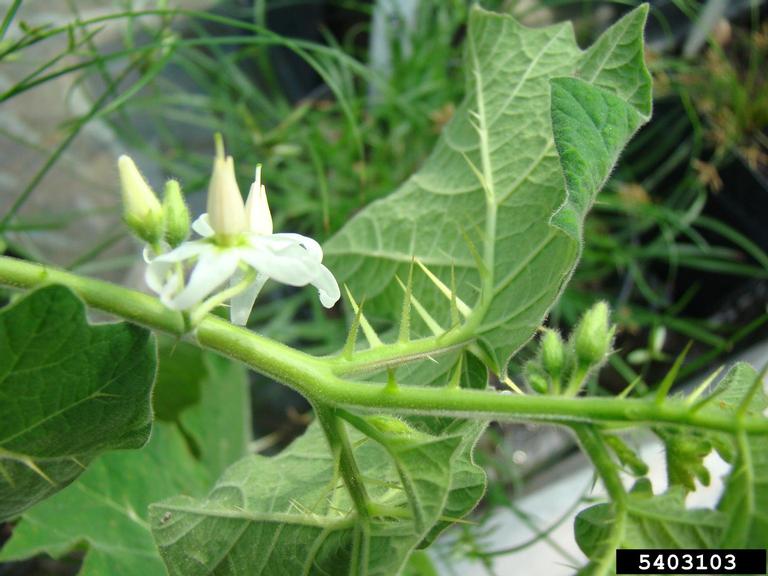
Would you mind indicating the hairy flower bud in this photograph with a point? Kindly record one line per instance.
(226, 210)
(552, 353)
(176, 214)
(593, 336)
(141, 208)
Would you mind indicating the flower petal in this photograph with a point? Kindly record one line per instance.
(174, 283)
(213, 268)
(240, 305)
(257, 207)
(156, 275)
(202, 226)
(290, 263)
(148, 254)
(308, 243)
(327, 287)
(164, 278)
(185, 251)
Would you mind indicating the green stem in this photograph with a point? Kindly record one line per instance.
(576, 381)
(341, 447)
(315, 377)
(595, 448)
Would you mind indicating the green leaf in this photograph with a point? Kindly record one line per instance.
(515, 171)
(295, 506)
(106, 509)
(420, 564)
(653, 522)
(68, 392)
(180, 375)
(467, 480)
(745, 500)
(220, 425)
(208, 397)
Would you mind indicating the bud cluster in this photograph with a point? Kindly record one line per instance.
(563, 367)
(146, 217)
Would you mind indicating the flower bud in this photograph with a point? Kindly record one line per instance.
(175, 213)
(257, 208)
(592, 337)
(552, 353)
(226, 211)
(141, 208)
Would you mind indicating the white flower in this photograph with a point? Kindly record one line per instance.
(237, 243)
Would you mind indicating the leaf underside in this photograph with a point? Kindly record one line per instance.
(653, 522)
(291, 514)
(555, 119)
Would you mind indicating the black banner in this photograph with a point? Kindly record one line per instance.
(691, 561)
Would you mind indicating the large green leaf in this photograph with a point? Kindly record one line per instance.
(106, 509)
(291, 514)
(553, 119)
(68, 392)
(745, 500)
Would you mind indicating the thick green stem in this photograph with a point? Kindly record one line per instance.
(595, 448)
(316, 379)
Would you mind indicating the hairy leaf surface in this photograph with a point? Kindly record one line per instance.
(660, 521)
(291, 514)
(68, 392)
(553, 119)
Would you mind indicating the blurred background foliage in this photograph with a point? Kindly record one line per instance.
(341, 100)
